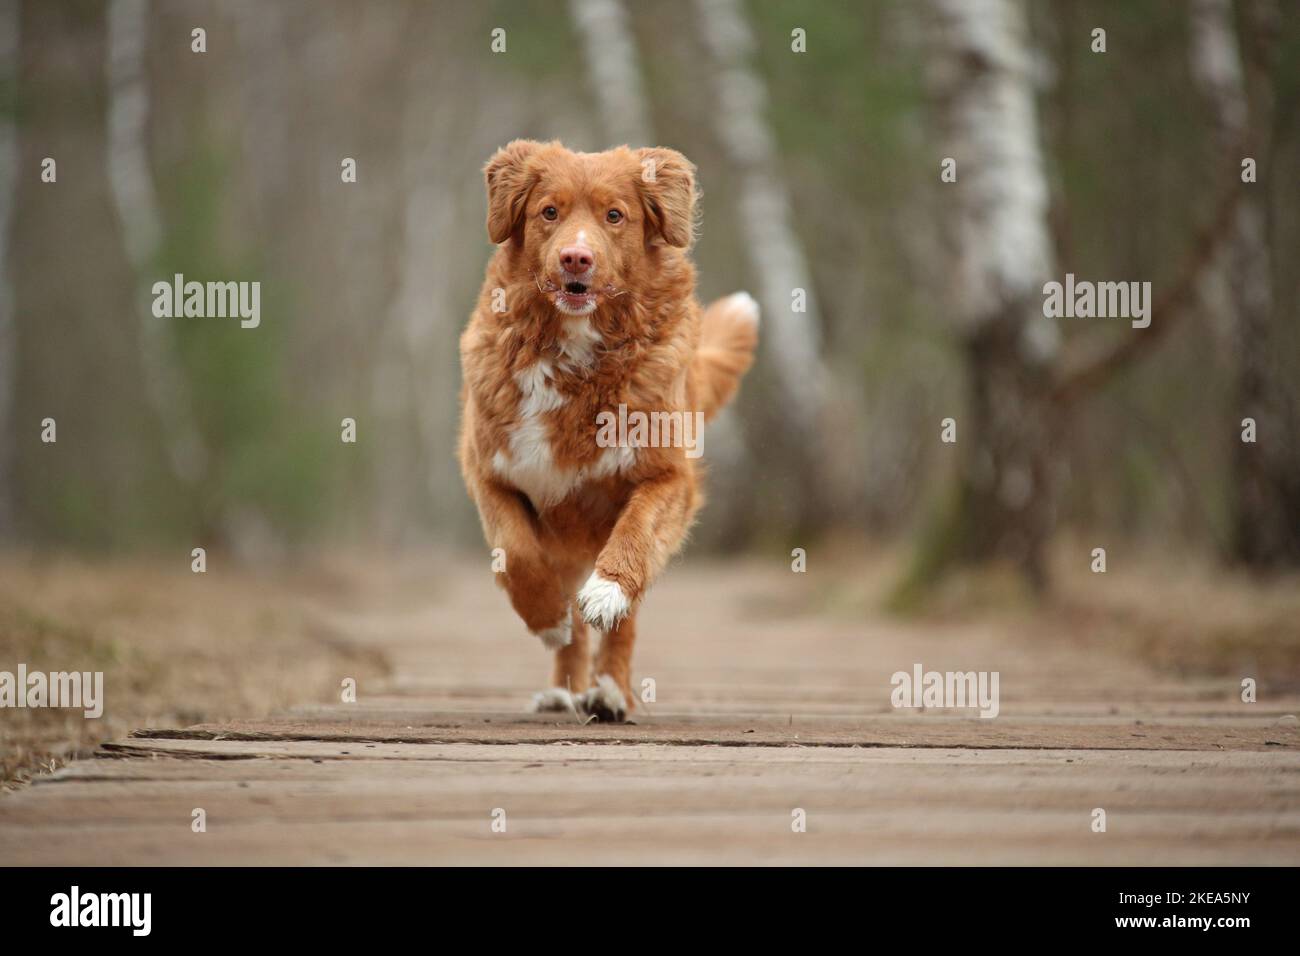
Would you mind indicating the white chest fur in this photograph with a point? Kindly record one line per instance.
(528, 462)
(578, 341)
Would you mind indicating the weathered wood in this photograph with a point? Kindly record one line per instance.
(644, 803)
(763, 718)
(701, 731)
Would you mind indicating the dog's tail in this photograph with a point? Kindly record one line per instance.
(727, 342)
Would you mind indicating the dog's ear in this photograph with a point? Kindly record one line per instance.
(667, 185)
(509, 180)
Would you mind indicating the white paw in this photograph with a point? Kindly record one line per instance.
(604, 700)
(553, 638)
(553, 699)
(602, 603)
(744, 305)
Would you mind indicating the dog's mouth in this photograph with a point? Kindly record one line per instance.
(575, 298)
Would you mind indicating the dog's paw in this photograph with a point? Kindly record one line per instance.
(553, 700)
(604, 701)
(553, 638)
(602, 602)
(743, 306)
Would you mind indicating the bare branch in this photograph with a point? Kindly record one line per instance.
(1081, 375)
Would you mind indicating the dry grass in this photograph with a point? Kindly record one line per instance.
(1181, 612)
(175, 647)
(1186, 615)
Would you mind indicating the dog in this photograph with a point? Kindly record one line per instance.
(588, 310)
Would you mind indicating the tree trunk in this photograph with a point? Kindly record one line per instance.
(779, 264)
(1007, 478)
(1001, 256)
(131, 184)
(418, 351)
(615, 70)
(1266, 474)
(798, 454)
(9, 55)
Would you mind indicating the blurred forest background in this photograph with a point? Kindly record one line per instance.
(820, 170)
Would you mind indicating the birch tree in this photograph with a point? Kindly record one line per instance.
(1266, 486)
(615, 70)
(135, 199)
(1000, 257)
(1023, 382)
(799, 456)
(442, 150)
(776, 255)
(420, 331)
(615, 77)
(9, 56)
(266, 85)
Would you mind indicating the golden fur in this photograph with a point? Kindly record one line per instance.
(537, 375)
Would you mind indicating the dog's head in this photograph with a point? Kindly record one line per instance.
(589, 225)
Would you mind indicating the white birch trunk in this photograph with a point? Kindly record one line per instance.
(995, 218)
(615, 71)
(1241, 274)
(1216, 66)
(132, 189)
(9, 58)
(740, 98)
(1217, 69)
(1266, 493)
(439, 269)
(267, 80)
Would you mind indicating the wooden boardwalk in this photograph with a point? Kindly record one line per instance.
(762, 709)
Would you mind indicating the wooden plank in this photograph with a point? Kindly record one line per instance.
(662, 804)
(753, 730)
(722, 840)
(780, 707)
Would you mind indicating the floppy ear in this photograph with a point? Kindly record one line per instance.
(509, 180)
(667, 185)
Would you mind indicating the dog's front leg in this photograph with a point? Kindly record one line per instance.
(647, 533)
(537, 590)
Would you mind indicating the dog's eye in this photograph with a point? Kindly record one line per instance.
(614, 216)
(550, 214)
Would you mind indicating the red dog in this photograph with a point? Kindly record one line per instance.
(588, 314)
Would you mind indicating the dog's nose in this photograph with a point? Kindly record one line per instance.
(577, 259)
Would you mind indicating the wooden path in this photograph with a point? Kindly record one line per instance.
(762, 709)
